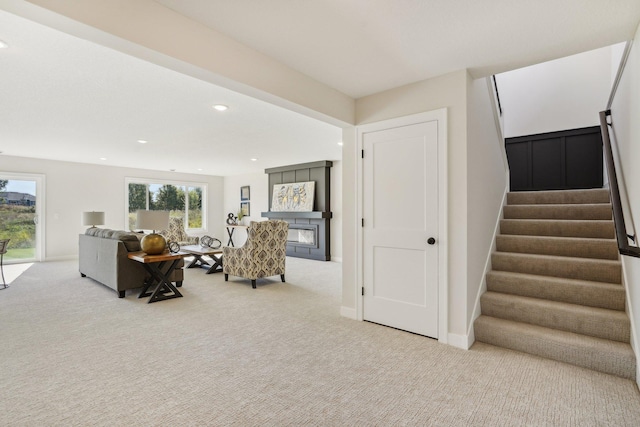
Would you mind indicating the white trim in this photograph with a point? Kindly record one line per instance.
(336, 259)
(619, 73)
(440, 116)
(62, 258)
(349, 313)
(487, 265)
(460, 341)
(205, 191)
(634, 339)
(40, 210)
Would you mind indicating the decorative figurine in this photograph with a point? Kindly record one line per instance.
(231, 219)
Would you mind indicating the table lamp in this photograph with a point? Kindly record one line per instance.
(93, 218)
(152, 244)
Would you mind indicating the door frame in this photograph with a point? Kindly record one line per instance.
(40, 208)
(440, 116)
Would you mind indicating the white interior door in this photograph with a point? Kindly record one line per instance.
(400, 217)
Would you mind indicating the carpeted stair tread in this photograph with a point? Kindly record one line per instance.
(600, 229)
(596, 322)
(563, 211)
(597, 270)
(555, 288)
(584, 292)
(602, 355)
(559, 246)
(589, 196)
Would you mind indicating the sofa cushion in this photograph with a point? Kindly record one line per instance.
(131, 240)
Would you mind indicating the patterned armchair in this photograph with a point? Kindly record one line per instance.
(176, 233)
(262, 255)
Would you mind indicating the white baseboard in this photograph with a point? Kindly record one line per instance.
(348, 312)
(460, 341)
(61, 258)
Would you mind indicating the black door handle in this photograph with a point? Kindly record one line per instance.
(431, 241)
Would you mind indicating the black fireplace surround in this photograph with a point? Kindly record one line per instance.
(309, 232)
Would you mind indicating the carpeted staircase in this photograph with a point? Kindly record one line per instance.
(555, 290)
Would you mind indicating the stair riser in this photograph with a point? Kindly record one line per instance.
(567, 212)
(558, 197)
(561, 290)
(602, 358)
(599, 323)
(604, 271)
(587, 248)
(584, 229)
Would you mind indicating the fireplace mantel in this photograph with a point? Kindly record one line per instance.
(294, 215)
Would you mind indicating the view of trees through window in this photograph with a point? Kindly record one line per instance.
(17, 213)
(182, 201)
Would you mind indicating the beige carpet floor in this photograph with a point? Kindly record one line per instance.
(73, 354)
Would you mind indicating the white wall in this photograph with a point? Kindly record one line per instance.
(446, 91)
(567, 93)
(71, 188)
(487, 183)
(349, 230)
(626, 128)
(259, 201)
(477, 181)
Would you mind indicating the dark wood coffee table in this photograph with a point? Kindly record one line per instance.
(199, 252)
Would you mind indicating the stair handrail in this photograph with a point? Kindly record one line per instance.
(616, 202)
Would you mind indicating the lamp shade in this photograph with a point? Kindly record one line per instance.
(152, 220)
(92, 218)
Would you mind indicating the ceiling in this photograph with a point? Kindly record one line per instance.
(362, 47)
(66, 98)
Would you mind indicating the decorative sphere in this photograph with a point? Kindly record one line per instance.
(153, 244)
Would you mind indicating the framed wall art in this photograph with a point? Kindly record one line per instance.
(245, 193)
(244, 207)
(294, 197)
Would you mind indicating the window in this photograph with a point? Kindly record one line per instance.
(182, 200)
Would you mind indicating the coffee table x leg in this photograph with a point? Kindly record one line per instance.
(199, 261)
(164, 284)
(217, 264)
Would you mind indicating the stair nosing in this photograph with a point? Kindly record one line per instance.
(568, 279)
(563, 305)
(572, 340)
(577, 259)
(568, 221)
(558, 332)
(543, 237)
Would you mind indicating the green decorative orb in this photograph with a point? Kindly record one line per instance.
(153, 244)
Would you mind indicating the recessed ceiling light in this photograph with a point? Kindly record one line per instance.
(199, 169)
(142, 141)
(254, 160)
(3, 45)
(103, 158)
(220, 107)
(341, 143)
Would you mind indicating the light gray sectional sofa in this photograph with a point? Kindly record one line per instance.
(103, 257)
